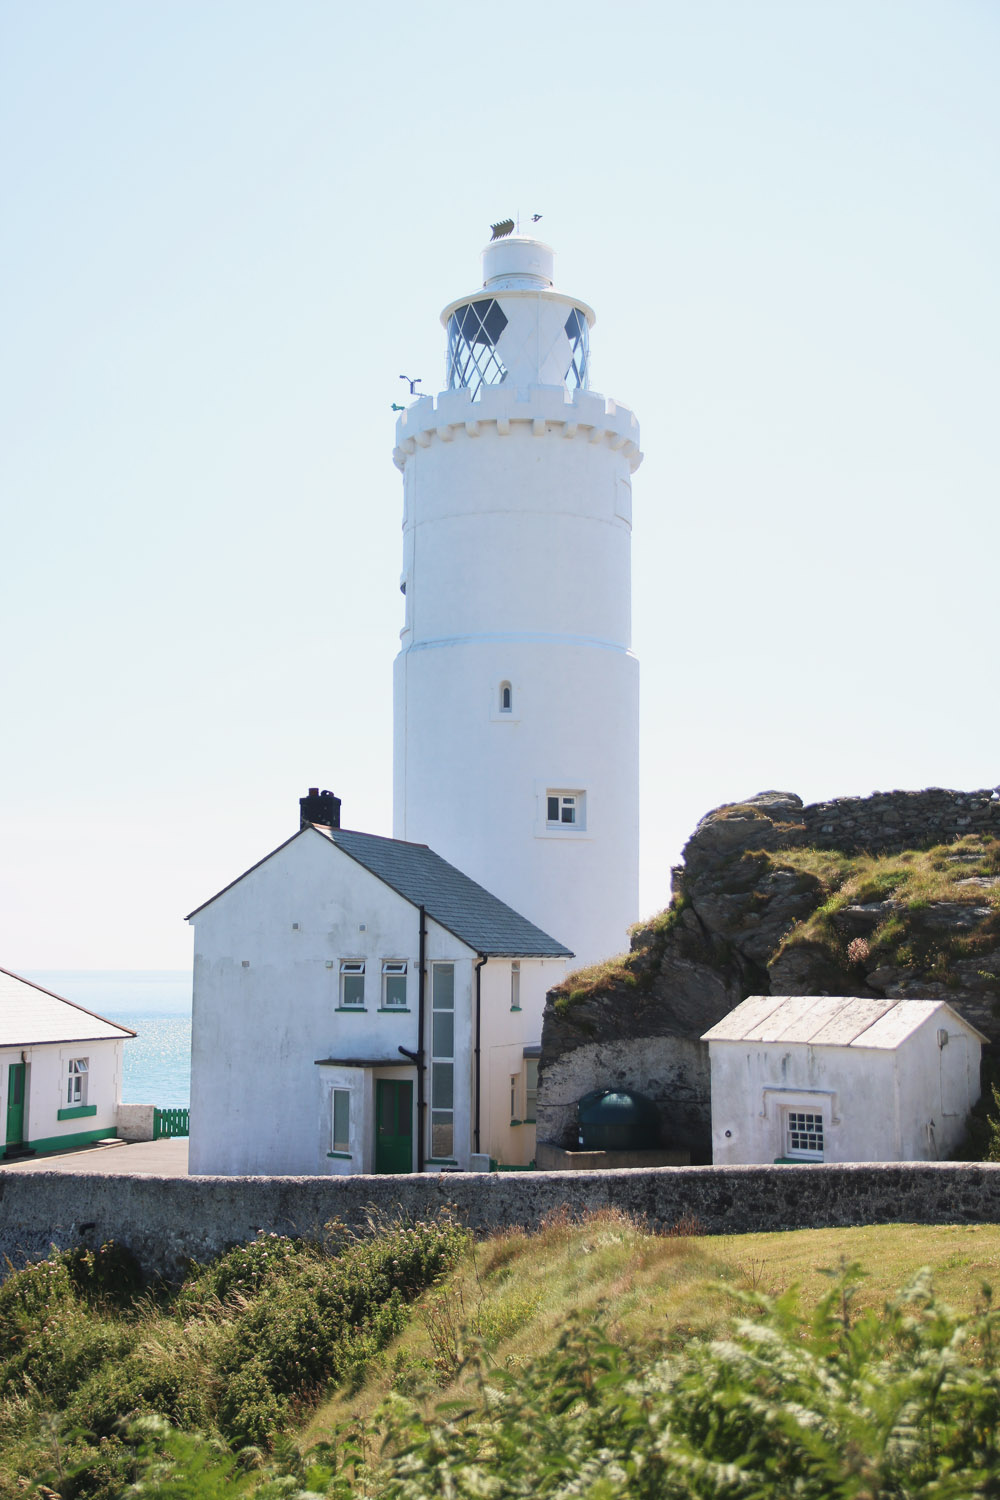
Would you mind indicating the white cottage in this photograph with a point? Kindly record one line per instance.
(362, 1006)
(60, 1070)
(836, 1079)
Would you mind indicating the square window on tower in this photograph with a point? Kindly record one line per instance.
(565, 809)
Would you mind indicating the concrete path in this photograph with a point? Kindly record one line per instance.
(167, 1158)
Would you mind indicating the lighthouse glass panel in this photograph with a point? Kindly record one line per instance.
(578, 333)
(473, 331)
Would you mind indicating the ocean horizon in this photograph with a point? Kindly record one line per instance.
(156, 1004)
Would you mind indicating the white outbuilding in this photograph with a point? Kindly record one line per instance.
(841, 1079)
(360, 1005)
(60, 1070)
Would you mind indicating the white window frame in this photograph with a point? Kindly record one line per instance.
(515, 984)
(351, 968)
(565, 810)
(530, 1090)
(393, 968)
(78, 1072)
(793, 1122)
(340, 1144)
(442, 1115)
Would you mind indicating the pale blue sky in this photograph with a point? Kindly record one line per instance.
(227, 228)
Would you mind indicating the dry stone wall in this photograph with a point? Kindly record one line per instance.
(169, 1221)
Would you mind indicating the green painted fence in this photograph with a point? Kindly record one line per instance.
(170, 1122)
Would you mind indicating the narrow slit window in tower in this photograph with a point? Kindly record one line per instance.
(506, 700)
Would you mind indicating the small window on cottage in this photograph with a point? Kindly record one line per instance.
(506, 699)
(564, 809)
(352, 984)
(530, 1089)
(515, 985)
(341, 1120)
(515, 1079)
(394, 985)
(76, 1084)
(804, 1135)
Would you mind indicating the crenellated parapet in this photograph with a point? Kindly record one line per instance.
(541, 411)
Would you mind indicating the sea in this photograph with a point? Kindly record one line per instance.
(156, 1003)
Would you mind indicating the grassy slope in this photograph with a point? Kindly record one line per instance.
(513, 1295)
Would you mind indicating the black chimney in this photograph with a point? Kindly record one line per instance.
(319, 807)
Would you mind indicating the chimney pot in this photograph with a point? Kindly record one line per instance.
(319, 807)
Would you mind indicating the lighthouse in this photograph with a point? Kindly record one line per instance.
(516, 693)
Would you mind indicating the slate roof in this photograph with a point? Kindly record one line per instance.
(456, 902)
(30, 1016)
(451, 898)
(829, 1020)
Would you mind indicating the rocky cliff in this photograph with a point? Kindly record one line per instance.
(894, 895)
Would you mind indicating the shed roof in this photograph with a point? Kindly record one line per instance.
(30, 1016)
(830, 1020)
(455, 901)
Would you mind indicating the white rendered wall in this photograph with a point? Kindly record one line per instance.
(516, 548)
(937, 1088)
(259, 1103)
(877, 1103)
(505, 1034)
(46, 1081)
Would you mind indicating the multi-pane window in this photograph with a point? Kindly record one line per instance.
(76, 1083)
(341, 1120)
(578, 333)
(530, 1088)
(564, 809)
(442, 1060)
(394, 985)
(515, 985)
(352, 983)
(473, 331)
(804, 1134)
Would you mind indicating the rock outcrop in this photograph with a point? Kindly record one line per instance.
(893, 895)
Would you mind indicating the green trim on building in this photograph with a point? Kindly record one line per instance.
(77, 1112)
(71, 1139)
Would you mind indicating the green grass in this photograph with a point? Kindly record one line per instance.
(913, 881)
(512, 1296)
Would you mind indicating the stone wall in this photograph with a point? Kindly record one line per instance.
(888, 822)
(167, 1221)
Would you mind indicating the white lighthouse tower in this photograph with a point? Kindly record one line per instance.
(516, 691)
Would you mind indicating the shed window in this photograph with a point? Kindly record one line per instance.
(804, 1135)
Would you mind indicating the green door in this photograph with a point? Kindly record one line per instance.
(15, 1103)
(393, 1125)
